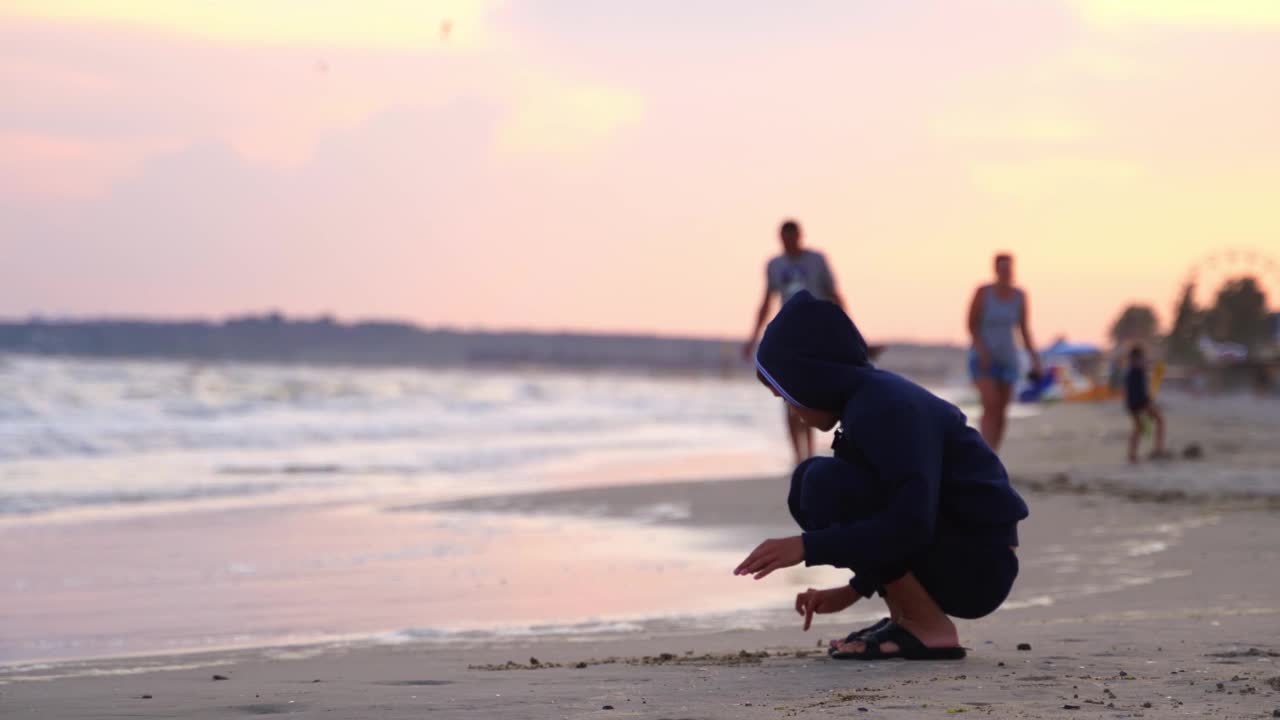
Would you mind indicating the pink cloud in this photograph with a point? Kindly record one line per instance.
(33, 164)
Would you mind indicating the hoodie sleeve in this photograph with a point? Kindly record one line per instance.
(904, 445)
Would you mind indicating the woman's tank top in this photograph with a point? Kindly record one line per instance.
(999, 317)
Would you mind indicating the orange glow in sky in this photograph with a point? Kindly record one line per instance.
(573, 164)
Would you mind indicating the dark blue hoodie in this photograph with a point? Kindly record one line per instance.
(944, 477)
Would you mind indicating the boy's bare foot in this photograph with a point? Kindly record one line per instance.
(913, 610)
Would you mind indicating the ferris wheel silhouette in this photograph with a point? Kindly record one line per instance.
(1212, 271)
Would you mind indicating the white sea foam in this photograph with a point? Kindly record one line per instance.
(82, 433)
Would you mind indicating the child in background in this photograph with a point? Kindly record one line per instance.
(1137, 398)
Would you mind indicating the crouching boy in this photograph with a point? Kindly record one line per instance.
(914, 502)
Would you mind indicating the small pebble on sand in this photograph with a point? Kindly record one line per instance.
(607, 707)
(220, 677)
(1024, 646)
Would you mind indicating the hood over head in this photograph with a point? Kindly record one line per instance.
(813, 354)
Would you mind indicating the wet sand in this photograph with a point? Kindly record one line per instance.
(1159, 603)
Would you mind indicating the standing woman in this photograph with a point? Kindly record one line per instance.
(993, 361)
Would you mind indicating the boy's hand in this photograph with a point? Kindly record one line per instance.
(772, 555)
(824, 601)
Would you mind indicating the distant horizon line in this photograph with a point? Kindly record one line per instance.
(36, 318)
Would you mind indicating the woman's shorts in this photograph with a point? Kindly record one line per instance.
(1006, 373)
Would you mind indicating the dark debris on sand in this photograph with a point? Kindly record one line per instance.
(1252, 652)
(743, 657)
(847, 697)
(1064, 484)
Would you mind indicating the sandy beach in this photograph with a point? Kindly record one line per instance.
(1145, 591)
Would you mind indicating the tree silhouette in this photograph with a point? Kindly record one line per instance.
(1187, 325)
(1240, 313)
(1136, 323)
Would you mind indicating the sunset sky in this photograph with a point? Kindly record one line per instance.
(589, 165)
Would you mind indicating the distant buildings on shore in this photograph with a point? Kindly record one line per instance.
(273, 338)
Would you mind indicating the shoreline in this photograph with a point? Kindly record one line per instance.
(728, 512)
(1136, 644)
(1132, 608)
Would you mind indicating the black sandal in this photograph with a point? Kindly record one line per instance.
(858, 634)
(909, 647)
